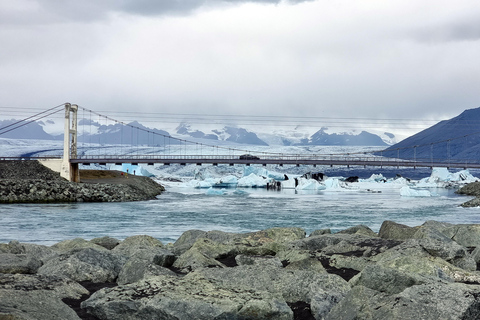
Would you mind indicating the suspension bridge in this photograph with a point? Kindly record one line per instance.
(122, 142)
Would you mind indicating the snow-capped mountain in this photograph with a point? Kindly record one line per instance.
(260, 135)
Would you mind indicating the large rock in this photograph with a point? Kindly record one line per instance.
(430, 301)
(387, 280)
(144, 263)
(265, 242)
(397, 231)
(32, 305)
(204, 253)
(85, 265)
(131, 245)
(138, 269)
(75, 244)
(185, 298)
(37, 297)
(18, 263)
(361, 230)
(293, 285)
(106, 242)
(412, 258)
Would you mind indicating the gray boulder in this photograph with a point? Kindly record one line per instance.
(204, 253)
(185, 298)
(75, 244)
(467, 235)
(37, 297)
(138, 269)
(292, 285)
(144, 263)
(361, 230)
(430, 301)
(320, 232)
(397, 231)
(412, 258)
(106, 242)
(18, 263)
(34, 251)
(85, 265)
(186, 240)
(33, 305)
(387, 280)
(131, 245)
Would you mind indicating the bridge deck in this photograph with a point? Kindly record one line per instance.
(278, 160)
(281, 160)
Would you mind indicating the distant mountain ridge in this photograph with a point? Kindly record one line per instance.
(119, 133)
(454, 139)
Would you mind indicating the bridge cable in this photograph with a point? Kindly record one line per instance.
(35, 115)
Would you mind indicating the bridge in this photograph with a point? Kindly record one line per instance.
(132, 144)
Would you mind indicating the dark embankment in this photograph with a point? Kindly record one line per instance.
(31, 182)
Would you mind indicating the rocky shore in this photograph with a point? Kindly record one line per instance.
(31, 182)
(471, 189)
(425, 272)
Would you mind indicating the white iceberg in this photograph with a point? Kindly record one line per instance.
(197, 184)
(409, 192)
(441, 177)
(252, 181)
(260, 171)
(309, 184)
(216, 192)
(374, 178)
(332, 184)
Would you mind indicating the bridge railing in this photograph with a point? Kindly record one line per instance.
(290, 157)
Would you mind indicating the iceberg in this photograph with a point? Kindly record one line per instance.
(409, 192)
(252, 181)
(374, 178)
(197, 184)
(441, 177)
(263, 172)
(309, 184)
(332, 184)
(227, 181)
(215, 192)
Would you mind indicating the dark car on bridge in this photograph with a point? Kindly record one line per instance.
(248, 157)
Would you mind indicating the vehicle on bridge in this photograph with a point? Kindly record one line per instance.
(248, 157)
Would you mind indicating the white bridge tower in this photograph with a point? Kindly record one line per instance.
(69, 170)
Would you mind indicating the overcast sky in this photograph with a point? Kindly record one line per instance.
(392, 59)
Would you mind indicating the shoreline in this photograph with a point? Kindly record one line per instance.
(31, 182)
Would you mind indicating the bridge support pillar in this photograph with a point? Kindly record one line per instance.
(69, 170)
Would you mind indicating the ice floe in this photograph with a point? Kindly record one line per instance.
(409, 192)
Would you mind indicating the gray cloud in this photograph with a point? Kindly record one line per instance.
(74, 11)
(314, 58)
(465, 30)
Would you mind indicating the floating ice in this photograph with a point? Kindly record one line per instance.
(252, 181)
(309, 184)
(409, 192)
(216, 192)
(332, 184)
(374, 178)
(441, 177)
(198, 184)
(260, 171)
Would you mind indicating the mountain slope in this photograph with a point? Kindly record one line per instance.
(457, 138)
(320, 138)
(32, 130)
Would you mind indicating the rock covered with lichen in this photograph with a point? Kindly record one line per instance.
(422, 272)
